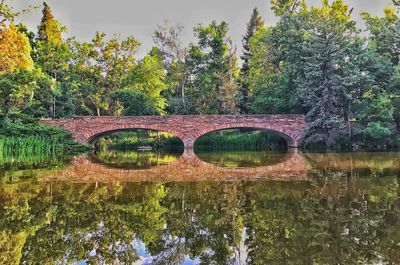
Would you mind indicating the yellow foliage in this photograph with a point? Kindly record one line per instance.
(11, 247)
(15, 50)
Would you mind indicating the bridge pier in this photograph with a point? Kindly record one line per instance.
(188, 145)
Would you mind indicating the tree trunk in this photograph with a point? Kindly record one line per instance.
(349, 128)
(183, 91)
(98, 111)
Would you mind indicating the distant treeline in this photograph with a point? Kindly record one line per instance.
(314, 61)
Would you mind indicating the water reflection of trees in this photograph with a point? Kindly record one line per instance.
(133, 159)
(335, 219)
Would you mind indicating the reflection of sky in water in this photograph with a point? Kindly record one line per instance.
(145, 257)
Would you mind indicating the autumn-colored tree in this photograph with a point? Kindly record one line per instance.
(49, 28)
(15, 51)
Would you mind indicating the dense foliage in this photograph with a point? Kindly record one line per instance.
(314, 61)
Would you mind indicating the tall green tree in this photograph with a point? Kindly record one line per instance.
(255, 24)
(215, 72)
(385, 37)
(330, 31)
(52, 54)
(275, 66)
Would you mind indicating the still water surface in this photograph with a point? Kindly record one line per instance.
(209, 208)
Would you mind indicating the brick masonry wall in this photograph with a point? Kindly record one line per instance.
(187, 127)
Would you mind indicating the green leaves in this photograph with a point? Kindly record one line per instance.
(134, 102)
(148, 79)
(213, 88)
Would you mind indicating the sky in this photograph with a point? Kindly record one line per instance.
(140, 17)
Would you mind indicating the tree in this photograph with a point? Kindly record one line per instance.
(15, 50)
(385, 38)
(148, 79)
(213, 57)
(276, 66)
(280, 7)
(134, 102)
(16, 91)
(52, 54)
(168, 39)
(256, 23)
(98, 70)
(330, 31)
(49, 30)
(385, 33)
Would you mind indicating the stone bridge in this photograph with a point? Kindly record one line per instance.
(187, 127)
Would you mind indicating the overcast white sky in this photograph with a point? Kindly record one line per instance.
(140, 17)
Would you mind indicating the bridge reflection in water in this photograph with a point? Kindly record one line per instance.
(291, 166)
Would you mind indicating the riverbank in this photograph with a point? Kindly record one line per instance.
(25, 135)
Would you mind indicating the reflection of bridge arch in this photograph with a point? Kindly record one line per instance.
(188, 128)
(185, 168)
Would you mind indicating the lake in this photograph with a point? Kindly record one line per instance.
(207, 208)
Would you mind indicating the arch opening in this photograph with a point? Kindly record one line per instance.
(135, 148)
(137, 139)
(243, 138)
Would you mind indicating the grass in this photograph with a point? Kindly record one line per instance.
(25, 135)
(240, 140)
(29, 145)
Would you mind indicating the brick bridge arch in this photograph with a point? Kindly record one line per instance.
(186, 127)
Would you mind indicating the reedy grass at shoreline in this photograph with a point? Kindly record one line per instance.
(38, 145)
